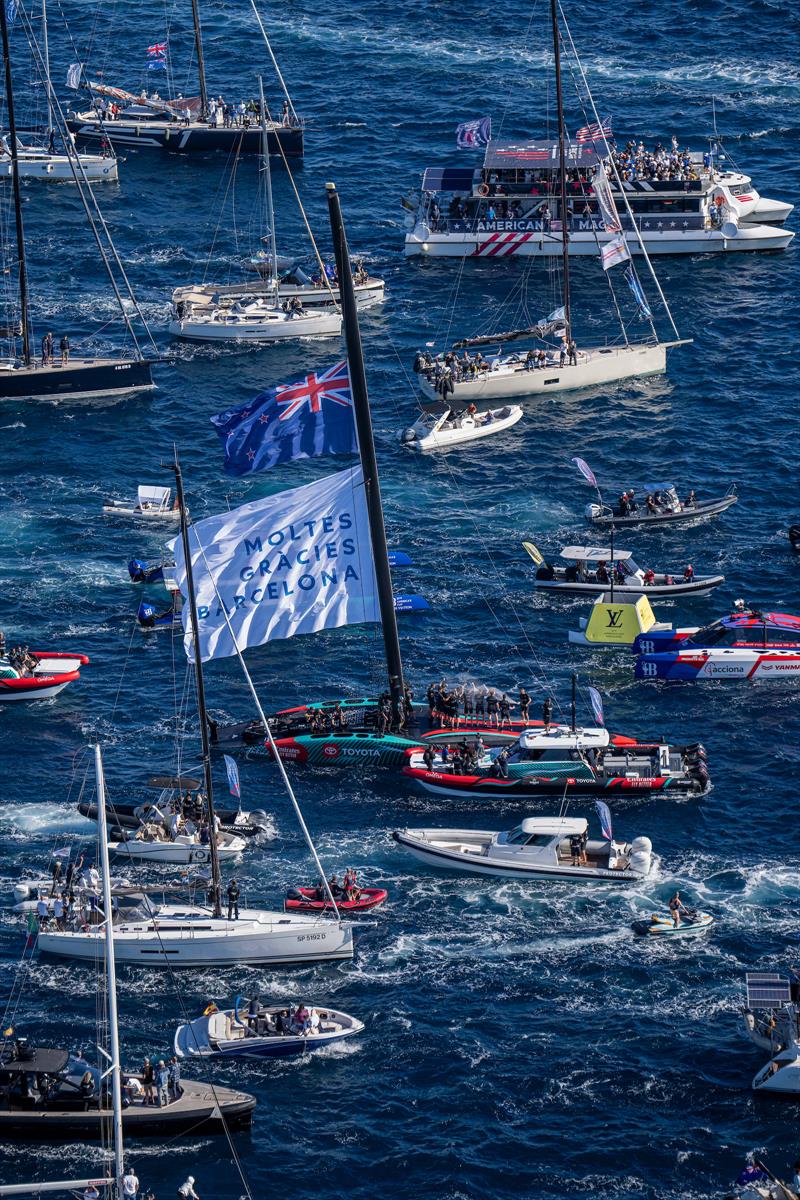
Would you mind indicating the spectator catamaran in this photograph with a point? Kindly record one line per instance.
(553, 361)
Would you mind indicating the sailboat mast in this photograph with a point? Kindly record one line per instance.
(201, 64)
(111, 977)
(562, 167)
(24, 302)
(216, 881)
(273, 249)
(46, 57)
(366, 446)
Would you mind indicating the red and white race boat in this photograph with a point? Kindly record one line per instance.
(307, 899)
(53, 671)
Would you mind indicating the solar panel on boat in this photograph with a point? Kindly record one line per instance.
(765, 989)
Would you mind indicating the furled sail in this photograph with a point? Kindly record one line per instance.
(544, 328)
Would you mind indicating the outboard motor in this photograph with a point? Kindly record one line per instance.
(700, 776)
(259, 819)
(295, 894)
(146, 615)
(641, 857)
(592, 511)
(696, 753)
(137, 570)
(546, 571)
(408, 436)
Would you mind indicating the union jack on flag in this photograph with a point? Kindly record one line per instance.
(594, 132)
(333, 385)
(157, 50)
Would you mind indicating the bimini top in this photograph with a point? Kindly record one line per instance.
(153, 497)
(513, 154)
(181, 782)
(564, 739)
(595, 554)
(554, 826)
(450, 179)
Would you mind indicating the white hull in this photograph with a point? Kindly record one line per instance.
(665, 591)
(57, 168)
(594, 367)
(192, 937)
(276, 327)
(38, 693)
(498, 244)
(429, 438)
(367, 294)
(171, 852)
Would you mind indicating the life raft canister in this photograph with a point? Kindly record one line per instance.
(483, 189)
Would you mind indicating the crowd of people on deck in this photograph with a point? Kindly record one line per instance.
(446, 369)
(19, 658)
(74, 893)
(348, 890)
(466, 703)
(636, 162)
(656, 502)
(220, 113)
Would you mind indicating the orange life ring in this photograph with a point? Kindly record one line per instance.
(483, 189)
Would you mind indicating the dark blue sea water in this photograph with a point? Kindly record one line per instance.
(519, 1040)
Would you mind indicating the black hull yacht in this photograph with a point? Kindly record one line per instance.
(79, 379)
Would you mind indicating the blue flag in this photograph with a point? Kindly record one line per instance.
(470, 135)
(638, 292)
(233, 776)
(11, 11)
(305, 419)
(604, 814)
(597, 705)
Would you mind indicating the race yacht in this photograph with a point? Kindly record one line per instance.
(746, 644)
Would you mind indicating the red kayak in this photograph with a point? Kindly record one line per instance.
(304, 900)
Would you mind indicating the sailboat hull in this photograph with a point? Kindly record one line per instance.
(191, 937)
(80, 379)
(604, 365)
(57, 168)
(178, 138)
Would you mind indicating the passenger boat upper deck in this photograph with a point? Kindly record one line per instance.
(511, 205)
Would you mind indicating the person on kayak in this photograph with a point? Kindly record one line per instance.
(676, 907)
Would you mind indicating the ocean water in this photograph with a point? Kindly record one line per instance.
(519, 1040)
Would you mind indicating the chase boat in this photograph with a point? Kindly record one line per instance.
(590, 569)
(566, 762)
(431, 432)
(312, 899)
(667, 508)
(151, 502)
(538, 848)
(51, 674)
(747, 644)
(132, 813)
(270, 1032)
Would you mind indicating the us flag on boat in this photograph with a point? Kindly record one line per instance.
(304, 419)
(596, 131)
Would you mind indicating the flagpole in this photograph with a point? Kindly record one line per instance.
(562, 170)
(216, 880)
(366, 446)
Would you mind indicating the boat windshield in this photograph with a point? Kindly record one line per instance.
(710, 635)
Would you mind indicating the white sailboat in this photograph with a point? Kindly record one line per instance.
(191, 935)
(554, 362)
(267, 312)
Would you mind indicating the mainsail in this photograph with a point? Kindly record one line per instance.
(555, 323)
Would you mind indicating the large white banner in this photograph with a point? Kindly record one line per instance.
(292, 563)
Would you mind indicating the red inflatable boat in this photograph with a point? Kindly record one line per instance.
(304, 900)
(53, 672)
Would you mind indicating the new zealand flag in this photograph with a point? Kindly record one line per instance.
(305, 419)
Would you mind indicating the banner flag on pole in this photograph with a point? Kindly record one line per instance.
(471, 135)
(73, 80)
(638, 292)
(295, 562)
(614, 252)
(605, 201)
(604, 813)
(585, 470)
(233, 776)
(597, 705)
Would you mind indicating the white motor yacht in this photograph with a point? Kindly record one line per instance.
(431, 432)
(254, 320)
(151, 843)
(537, 848)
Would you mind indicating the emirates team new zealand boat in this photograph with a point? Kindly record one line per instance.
(747, 644)
(59, 376)
(569, 763)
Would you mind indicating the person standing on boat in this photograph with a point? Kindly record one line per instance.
(562, 354)
(676, 907)
(233, 893)
(186, 1190)
(64, 347)
(480, 700)
(148, 1081)
(492, 706)
(688, 574)
(547, 713)
(47, 349)
(524, 703)
(469, 699)
(505, 711)
(162, 1084)
(572, 350)
(174, 1068)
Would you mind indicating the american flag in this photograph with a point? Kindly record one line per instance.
(333, 385)
(594, 132)
(530, 155)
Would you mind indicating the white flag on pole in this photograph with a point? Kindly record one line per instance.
(74, 76)
(295, 562)
(614, 252)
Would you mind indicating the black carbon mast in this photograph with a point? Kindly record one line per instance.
(562, 167)
(201, 63)
(24, 300)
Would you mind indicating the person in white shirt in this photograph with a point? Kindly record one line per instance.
(130, 1184)
(186, 1190)
(92, 878)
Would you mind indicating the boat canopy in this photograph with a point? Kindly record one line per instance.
(450, 179)
(595, 554)
(183, 783)
(564, 739)
(554, 826)
(510, 155)
(153, 497)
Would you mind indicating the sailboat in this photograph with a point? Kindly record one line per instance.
(554, 362)
(184, 125)
(191, 935)
(284, 305)
(45, 1100)
(60, 377)
(44, 161)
